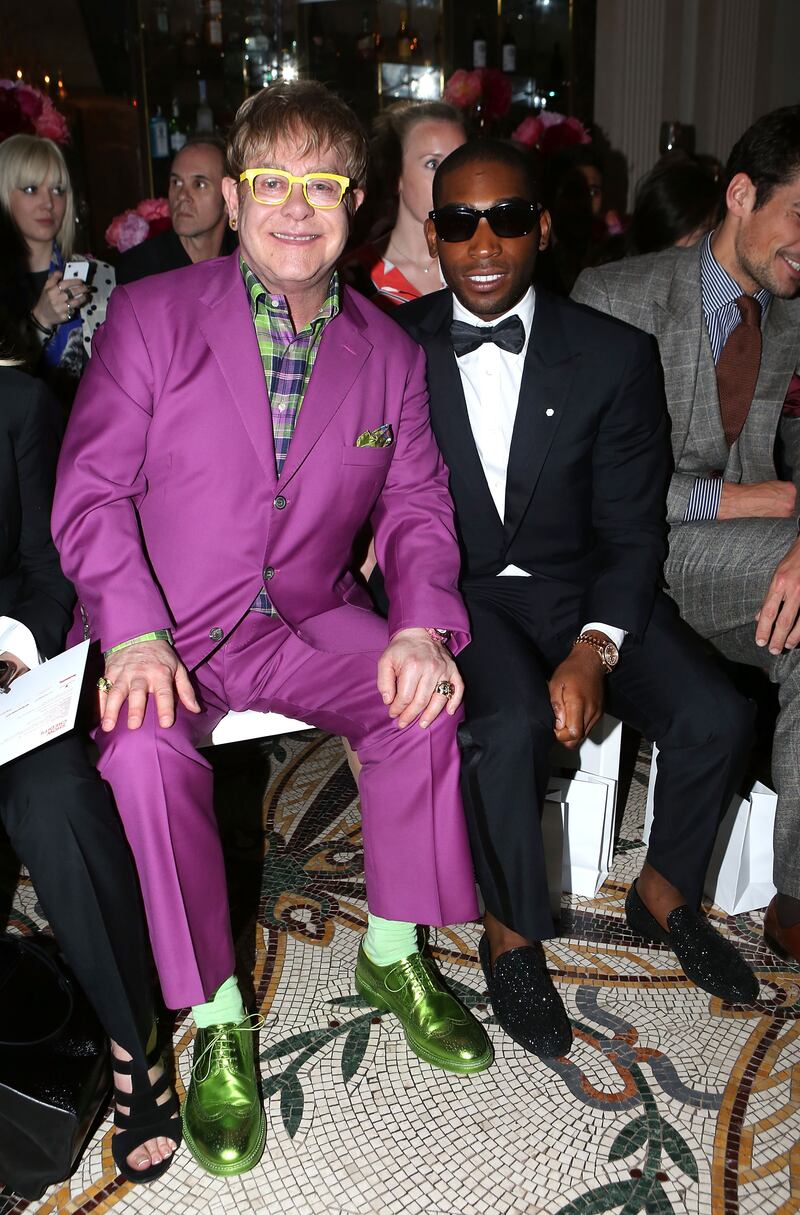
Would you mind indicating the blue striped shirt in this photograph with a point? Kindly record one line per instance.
(719, 292)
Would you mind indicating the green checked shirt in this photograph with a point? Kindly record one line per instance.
(288, 360)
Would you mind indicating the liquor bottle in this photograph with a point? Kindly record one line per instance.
(378, 44)
(161, 20)
(177, 135)
(557, 79)
(478, 45)
(212, 24)
(508, 51)
(365, 45)
(159, 136)
(403, 38)
(257, 51)
(204, 122)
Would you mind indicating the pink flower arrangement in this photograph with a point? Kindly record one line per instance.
(463, 89)
(488, 86)
(550, 131)
(134, 226)
(25, 110)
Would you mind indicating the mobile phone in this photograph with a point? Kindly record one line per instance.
(76, 270)
(7, 673)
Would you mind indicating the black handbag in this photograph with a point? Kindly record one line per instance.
(54, 1066)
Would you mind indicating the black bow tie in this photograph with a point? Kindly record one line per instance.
(508, 335)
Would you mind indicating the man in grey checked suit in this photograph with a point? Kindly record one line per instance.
(734, 554)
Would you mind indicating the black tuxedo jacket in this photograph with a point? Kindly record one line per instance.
(161, 253)
(589, 464)
(32, 586)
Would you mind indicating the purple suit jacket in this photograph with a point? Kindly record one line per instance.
(168, 508)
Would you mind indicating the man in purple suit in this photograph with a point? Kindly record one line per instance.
(240, 423)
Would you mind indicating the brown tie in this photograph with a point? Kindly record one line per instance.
(737, 368)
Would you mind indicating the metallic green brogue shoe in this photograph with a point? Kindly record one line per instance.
(436, 1026)
(224, 1125)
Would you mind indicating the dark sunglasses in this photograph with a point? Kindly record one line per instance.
(506, 219)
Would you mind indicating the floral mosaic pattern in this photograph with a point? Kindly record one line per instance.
(669, 1103)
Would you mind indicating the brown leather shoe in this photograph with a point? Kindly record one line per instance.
(785, 942)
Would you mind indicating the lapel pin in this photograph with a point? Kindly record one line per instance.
(549, 412)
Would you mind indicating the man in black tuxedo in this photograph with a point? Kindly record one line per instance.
(552, 421)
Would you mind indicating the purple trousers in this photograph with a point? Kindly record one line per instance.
(416, 852)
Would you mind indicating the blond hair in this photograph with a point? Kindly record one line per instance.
(305, 111)
(27, 160)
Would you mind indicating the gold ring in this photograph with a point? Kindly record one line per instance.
(445, 688)
(105, 685)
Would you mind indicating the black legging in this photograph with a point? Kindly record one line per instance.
(64, 827)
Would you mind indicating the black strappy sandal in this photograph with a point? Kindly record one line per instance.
(146, 1119)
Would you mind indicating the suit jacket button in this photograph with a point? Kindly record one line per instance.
(268, 573)
(216, 634)
(279, 502)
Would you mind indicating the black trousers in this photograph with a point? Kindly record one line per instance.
(666, 687)
(64, 827)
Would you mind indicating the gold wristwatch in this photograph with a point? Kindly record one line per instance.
(605, 650)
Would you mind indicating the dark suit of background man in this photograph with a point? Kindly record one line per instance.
(199, 216)
(727, 320)
(555, 435)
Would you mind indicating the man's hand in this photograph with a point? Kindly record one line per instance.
(759, 500)
(576, 695)
(408, 671)
(778, 625)
(149, 668)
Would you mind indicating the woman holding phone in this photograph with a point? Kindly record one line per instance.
(51, 298)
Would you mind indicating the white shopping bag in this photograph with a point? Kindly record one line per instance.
(739, 876)
(578, 827)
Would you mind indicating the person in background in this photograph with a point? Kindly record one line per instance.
(676, 204)
(200, 228)
(49, 320)
(55, 808)
(726, 316)
(409, 142)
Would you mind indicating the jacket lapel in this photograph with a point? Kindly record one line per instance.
(342, 353)
(688, 364)
(448, 405)
(543, 398)
(228, 330)
(779, 356)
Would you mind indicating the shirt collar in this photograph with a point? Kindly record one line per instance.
(718, 288)
(523, 309)
(258, 292)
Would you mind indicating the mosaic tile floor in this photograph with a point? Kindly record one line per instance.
(668, 1102)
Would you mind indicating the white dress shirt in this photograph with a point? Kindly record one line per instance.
(491, 379)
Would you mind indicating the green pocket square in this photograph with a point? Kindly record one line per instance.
(381, 436)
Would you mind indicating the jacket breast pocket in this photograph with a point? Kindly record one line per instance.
(375, 458)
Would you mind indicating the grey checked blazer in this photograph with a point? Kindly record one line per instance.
(660, 293)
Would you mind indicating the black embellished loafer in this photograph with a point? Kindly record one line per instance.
(525, 1002)
(706, 957)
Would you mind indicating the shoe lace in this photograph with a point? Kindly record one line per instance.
(219, 1052)
(414, 972)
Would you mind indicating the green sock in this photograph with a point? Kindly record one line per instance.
(387, 941)
(225, 1007)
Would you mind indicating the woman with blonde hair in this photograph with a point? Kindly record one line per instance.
(51, 319)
